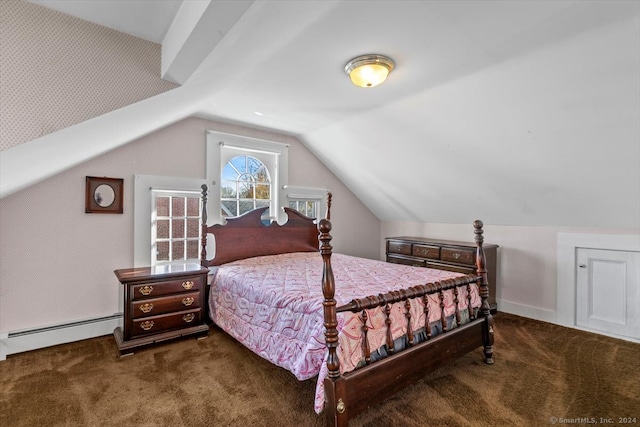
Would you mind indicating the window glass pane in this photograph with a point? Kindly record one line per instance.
(229, 208)
(253, 165)
(263, 191)
(262, 175)
(177, 206)
(162, 206)
(193, 227)
(193, 249)
(163, 251)
(239, 163)
(246, 206)
(229, 172)
(262, 204)
(193, 206)
(177, 250)
(228, 189)
(162, 229)
(293, 204)
(245, 190)
(177, 228)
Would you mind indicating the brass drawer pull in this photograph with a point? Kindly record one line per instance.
(188, 284)
(146, 290)
(456, 255)
(188, 318)
(187, 301)
(147, 325)
(146, 308)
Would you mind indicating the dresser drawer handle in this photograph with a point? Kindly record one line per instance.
(188, 284)
(146, 308)
(147, 325)
(188, 318)
(456, 255)
(187, 301)
(146, 290)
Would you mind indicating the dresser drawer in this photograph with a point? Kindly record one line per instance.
(426, 251)
(450, 267)
(155, 289)
(396, 259)
(459, 255)
(166, 322)
(155, 306)
(399, 247)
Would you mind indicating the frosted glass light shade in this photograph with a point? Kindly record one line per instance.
(369, 70)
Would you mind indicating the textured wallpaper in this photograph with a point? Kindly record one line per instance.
(57, 70)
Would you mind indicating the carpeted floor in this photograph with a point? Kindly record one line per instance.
(541, 371)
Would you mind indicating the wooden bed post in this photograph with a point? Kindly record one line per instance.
(483, 285)
(334, 404)
(203, 238)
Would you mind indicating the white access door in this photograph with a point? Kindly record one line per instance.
(608, 291)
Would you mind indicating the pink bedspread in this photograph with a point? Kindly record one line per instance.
(273, 305)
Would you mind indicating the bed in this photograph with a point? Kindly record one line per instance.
(365, 328)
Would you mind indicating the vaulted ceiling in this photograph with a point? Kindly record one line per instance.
(521, 112)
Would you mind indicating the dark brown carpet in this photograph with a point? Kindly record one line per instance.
(541, 371)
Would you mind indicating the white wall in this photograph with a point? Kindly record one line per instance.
(56, 262)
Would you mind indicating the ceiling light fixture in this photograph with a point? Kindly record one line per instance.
(369, 70)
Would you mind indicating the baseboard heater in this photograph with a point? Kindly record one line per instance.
(33, 339)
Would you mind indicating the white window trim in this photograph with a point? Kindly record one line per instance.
(214, 163)
(143, 184)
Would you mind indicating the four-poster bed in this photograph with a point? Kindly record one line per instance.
(366, 328)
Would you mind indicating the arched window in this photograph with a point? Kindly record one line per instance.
(245, 185)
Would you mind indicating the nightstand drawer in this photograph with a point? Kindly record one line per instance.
(458, 255)
(154, 289)
(425, 251)
(155, 306)
(167, 322)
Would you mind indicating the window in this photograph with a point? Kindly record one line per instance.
(166, 220)
(245, 186)
(308, 201)
(245, 173)
(175, 227)
(310, 208)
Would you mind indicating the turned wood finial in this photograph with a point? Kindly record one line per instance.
(329, 197)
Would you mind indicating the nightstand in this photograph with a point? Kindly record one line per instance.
(161, 303)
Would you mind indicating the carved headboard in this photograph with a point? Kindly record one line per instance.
(246, 236)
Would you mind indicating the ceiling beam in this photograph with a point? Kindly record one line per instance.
(196, 30)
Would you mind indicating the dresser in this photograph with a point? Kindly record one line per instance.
(161, 303)
(444, 255)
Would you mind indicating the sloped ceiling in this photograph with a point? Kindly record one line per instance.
(520, 113)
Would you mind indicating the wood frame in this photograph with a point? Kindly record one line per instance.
(92, 204)
(348, 394)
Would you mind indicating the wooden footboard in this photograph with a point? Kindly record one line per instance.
(349, 394)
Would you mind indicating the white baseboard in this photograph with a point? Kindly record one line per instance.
(549, 316)
(32, 339)
(527, 311)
